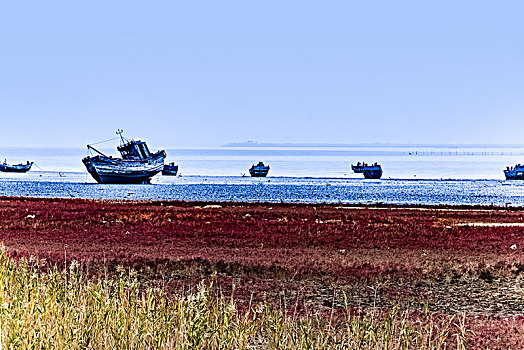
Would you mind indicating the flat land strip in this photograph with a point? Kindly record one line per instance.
(308, 258)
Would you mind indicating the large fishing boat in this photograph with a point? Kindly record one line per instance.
(15, 168)
(370, 171)
(515, 172)
(137, 165)
(259, 170)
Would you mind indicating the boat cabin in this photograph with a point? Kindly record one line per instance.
(134, 150)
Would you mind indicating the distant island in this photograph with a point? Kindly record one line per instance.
(375, 144)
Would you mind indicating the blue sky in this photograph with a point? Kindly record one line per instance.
(206, 73)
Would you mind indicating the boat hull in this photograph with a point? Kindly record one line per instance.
(369, 171)
(259, 171)
(357, 169)
(108, 170)
(372, 173)
(170, 170)
(258, 174)
(19, 168)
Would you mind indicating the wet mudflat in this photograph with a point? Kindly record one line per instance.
(309, 257)
(270, 189)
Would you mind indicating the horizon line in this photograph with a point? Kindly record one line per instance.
(368, 144)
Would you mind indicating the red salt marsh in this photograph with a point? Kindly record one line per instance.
(448, 259)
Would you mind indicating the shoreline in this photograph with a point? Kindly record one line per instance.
(337, 205)
(80, 172)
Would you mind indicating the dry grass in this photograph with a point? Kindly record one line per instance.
(44, 307)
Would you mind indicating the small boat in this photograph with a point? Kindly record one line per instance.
(16, 168)
(515, 172)
(170, 169)
(137, 165)
(259, 170)
(373, 171)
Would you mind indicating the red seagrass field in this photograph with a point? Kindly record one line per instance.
(311, 258)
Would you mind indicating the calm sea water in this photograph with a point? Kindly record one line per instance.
(437, 175)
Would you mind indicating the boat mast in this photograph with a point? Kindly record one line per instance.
(119, 133)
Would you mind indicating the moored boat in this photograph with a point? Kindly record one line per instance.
(515, 172)
(15, 168)
(170, 169)
(137, 165)
(259, 170)
(370, 171)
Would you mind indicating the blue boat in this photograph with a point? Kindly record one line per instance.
(15, 168)
(373, 171)
(137, 165)
(170, 169)
(259, 170)
(515, 172)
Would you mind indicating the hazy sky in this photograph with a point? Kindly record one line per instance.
(205, 73)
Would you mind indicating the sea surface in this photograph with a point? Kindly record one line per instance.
(412, 175)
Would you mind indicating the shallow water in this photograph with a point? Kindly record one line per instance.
(271, 189)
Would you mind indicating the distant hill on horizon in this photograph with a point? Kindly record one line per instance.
(375, 144)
